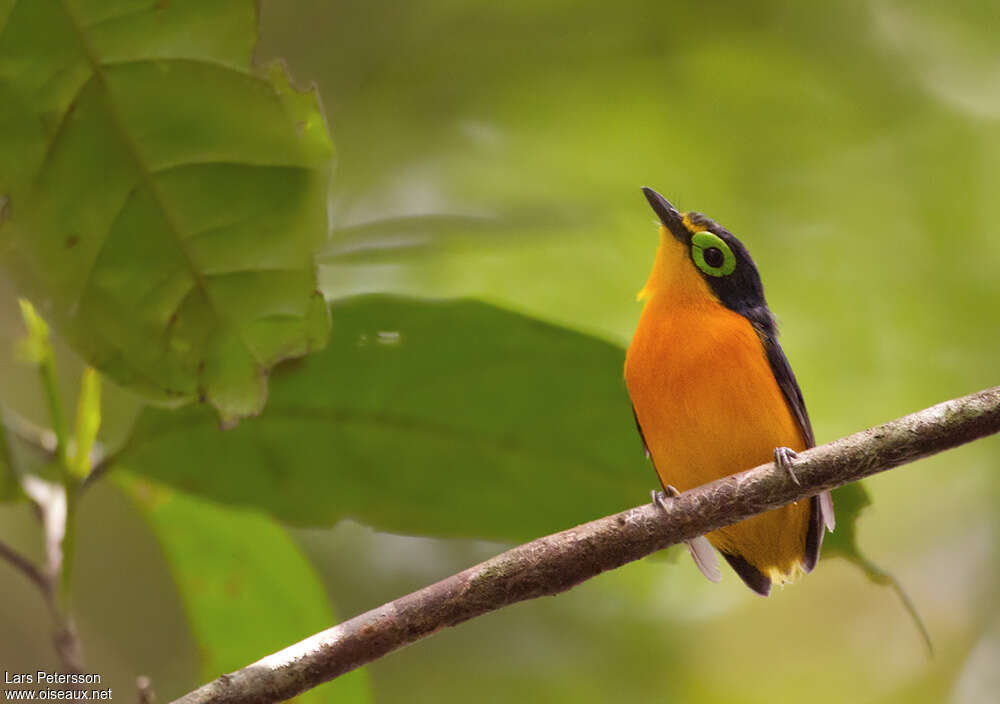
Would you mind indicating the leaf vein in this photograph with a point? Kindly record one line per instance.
(88, 277)
(148, 182)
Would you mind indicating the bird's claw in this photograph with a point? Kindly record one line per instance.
(660, 497)
(783, 457)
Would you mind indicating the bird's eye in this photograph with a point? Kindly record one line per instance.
(711, 254)
(713, 257)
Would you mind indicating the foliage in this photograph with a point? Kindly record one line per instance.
(223, 172)
(163, 200)
(246, 587)
(421, 417)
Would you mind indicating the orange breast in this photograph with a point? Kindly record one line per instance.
(709, 406)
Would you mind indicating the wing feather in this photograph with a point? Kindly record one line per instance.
(822, 505)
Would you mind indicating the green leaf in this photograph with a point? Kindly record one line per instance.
(247, 589)
(163, 201)
(436, 418)
(848, 501)
(449, 418)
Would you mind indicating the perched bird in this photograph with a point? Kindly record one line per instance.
(713, 394)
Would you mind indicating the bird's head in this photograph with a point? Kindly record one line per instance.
(699, 260)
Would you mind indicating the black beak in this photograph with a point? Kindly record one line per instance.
(667, 213)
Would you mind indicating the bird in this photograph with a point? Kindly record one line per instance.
(713, 394)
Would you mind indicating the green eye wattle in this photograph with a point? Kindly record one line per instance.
(711, 254)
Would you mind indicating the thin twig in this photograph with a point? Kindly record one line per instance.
(557, 562)
(50, 500)
(23, 565)
(65, 638)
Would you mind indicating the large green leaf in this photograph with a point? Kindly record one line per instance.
(433, 418)
(247, 588)
(163, 201)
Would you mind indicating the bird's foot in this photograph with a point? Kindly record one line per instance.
(783, 457)
(661, 498)
(701, 550)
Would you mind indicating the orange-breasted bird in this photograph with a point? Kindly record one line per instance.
(713, 394)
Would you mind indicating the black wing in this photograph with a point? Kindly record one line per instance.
(785, 377)
(767, 331)
(641, 435)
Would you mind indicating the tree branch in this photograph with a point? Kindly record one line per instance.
(558, 562)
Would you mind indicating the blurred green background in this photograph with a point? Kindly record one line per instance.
(496, 151)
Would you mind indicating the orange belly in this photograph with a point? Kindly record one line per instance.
(709, 406)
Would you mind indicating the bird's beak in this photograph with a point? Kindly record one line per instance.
(668, 215)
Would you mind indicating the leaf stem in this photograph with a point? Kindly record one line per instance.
(68, 546)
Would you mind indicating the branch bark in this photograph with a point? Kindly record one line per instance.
(558, 562)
